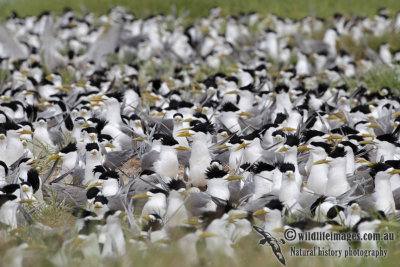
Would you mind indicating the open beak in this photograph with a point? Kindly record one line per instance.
(97, 206)
(139, 196)
(242, 145)
(110, 145)
(322, 161)
(31, 163)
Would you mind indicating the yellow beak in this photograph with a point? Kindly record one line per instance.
(182, 148)
(395, 171)
(29, 201)
(146, 217)
(334, 137)
(242, 145)
(110, 145)
(260, 212)
(303, 148)
(76, 242)
(283, 149)
(322, 161)
(139, 196)
(184, 134)
(288, 129)
(94, 185)
(374, 125)
(54, 157)
(367, 142)
(234, 177)
(192, 221)
(96, 99)
(23, 131)
(248, 114)
(207, 234)
(224, 146)
(368, 135)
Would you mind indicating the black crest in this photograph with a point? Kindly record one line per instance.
(92, 192)
(92, 146)
(229, 106)
(284, 167)
(275, 204)
(215, 172)
(262, 166)
(292, 140)
(379, 167)
(71, 147)
(339, 152)
(176, 184)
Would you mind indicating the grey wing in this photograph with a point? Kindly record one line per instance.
(197, 202)
(396, 196)
(117, 158)
(135, 40)
(116, 202)
(235, 192)
(148, 159)
(52, 58)
(56, 137)
(259, 203)
(69, 195)
(104, 45)
(367, 203)
(11, 45)
(139, 186)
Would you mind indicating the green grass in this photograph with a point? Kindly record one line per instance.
(285, 8)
